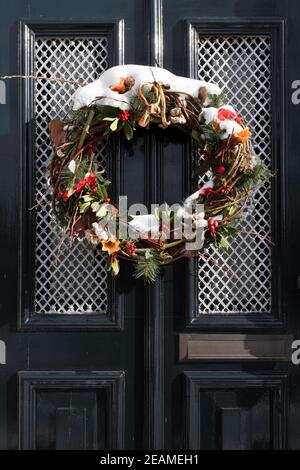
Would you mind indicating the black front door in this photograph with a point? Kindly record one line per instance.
(201, 359)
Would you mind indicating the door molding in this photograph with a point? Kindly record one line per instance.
(154, 294)
(32, 383)
(275, 28)
(27, 318)
(273, 383)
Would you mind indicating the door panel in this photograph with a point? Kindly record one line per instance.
(245, 47)
(242, 66)
(244, 283)
(66, 287)
(69, 411)
(236, 411)
(62, 321)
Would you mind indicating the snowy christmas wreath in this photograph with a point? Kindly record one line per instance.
(226, 170)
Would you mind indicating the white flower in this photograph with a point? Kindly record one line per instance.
(178, 119)
(200, 223)
(99, 231)
(91, 237)
(145, 223)
(72, 166)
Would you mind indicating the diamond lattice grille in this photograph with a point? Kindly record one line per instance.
(78, 283)
(241, 66)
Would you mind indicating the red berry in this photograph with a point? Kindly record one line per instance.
(124, 116)
(228, 187)
(208, 191)
(91, 179)
(63, 196)
(213, 225)
(107, 199)
(220, 170)
(80, 185)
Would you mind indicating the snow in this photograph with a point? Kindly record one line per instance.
(230, 127)
(145, 223)
(210, 114)
(92, 92)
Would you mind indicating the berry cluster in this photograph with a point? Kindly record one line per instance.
(129, 248)
(63, 195)
(90, 179)
(124, 116)
(213, 225)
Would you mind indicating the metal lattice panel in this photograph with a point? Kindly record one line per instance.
(241, 66)
(78, 282)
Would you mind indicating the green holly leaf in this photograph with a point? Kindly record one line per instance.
(128, 131)
(223, 243)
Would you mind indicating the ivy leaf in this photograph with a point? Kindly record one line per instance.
(223, 243)
(84, 206)
(128, 131)
(95, 206)
(231, 210)
(87, 198)
(102, 211)
(114, 125)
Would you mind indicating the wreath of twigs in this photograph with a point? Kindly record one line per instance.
(81, 202)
